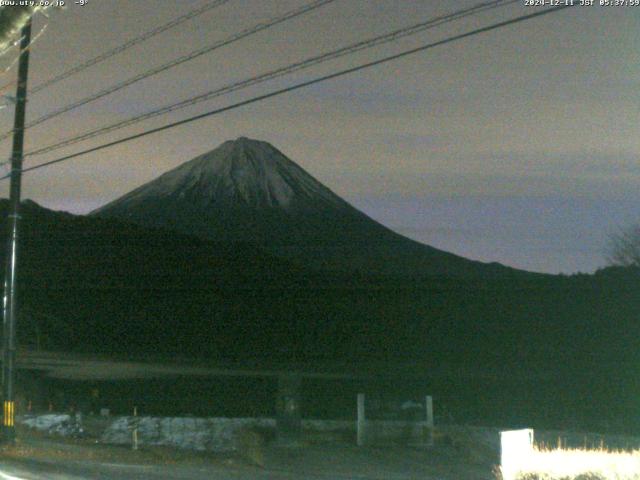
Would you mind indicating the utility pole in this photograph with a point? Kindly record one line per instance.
(9, 301)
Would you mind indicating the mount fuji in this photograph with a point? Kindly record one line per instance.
(248, 191)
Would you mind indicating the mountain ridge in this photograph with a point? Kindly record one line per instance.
(247, 190)
(241, 175)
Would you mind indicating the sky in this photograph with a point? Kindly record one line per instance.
(518, 145)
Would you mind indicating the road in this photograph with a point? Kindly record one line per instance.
(319, 463)
(45, 470)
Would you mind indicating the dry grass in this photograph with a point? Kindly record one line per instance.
(578, 464)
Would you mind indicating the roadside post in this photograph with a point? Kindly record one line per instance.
(134, 433)
(428, 402)
(288, 414)
(361, 423)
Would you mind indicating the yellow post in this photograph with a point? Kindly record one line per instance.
(8, 419)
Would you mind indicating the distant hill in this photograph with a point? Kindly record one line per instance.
(103, 286)
(248, 191)
(95, 284)
(90, 284)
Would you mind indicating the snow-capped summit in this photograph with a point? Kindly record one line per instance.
(247, 190)
(240, 173)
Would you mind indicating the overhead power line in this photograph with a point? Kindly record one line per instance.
(299, 86)
(178, 61)
(298, 66)
(127, 45)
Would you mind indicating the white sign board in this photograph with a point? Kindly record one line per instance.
(515, 447)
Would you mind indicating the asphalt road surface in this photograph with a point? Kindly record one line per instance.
(314, 464)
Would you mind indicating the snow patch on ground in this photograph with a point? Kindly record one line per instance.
(216, 434)
(213, 434)
(54, 424)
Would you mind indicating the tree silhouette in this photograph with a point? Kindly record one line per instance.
(624, 247)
